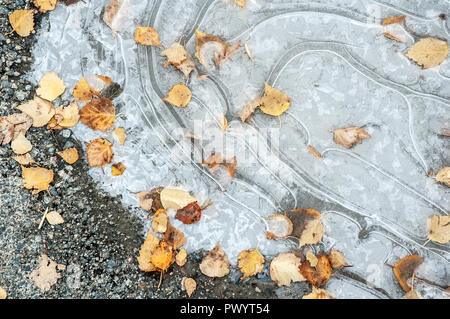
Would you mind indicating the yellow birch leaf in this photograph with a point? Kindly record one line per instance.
(22, 21)
(21, 145)
(99, 114)
(36, 178)
(318, 293)
(274, 102)
(284, 269)
(82, 90)
(443, 176)
(69, 155)
(336, 258)
(118, 169)
(240, 3)
(181, 257)
(428, 52)
(41, 111)
(99, 152)
(215, 263)
(438, 229)
(147, 36)
(146, 251)
(68, 116)
(3, 293)
(176, 198)
(54, 218)
(46, 275)
(45, 5)
(350, 136)
(119, 135)
(250, 262)
(159, 223)
(190, 285)
(50, 86)
(179, 95)
(178, 57)
(25, 159)
(162, 256)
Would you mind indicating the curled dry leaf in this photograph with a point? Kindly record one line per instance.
(22, 21)
(250, 262)
(41, 111)
(216, 159)
(284, 269)
(173, 237)
(99, 152)
(279, 226)
(318, 293)
(146, 251)
(50, 86)
(318, 275)
(336, 258)
(25, 159)
(36, 178)
(21, 145)
(115, 13)
(189, 214)
(69, 155)
(350, 136)
(190, 285)
(46, 275)
(54, 218)
(443, 176)
(3, 293)
(249, 108)
(99, 114)
(392, 20)
(175, 198)
(207, 45)
(274, 102)
(179, 95)
(162, 256)
(307, 226)
(392, 37)
(151, 201)
(181, 257)
(159, 224)
(117, 169)
(45, 5)
(119, 135)
(404, 269)
(147, 36)
(215, 263)
(314, 152)
(438, 229)
(428, 52)
(178, 57)
(82, 91)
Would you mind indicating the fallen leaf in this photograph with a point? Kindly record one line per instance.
(6, 131)
(146, 251)
(189, 214)
(151, 201)
(117, 169)
(181, 257)
(438, 229)
(404, 269)
(178, 57)
(159, 224)
(174, 237)
(3, 293)
(25, 159)
(274, 102)
(82, 91)
(99, 114)
(175, 198)
(50, 86)
(443, 176)
(162, 256)
(314, 151)
(68, 116)
(21, 145)
(216, 159)
(45, 5)
(313, 260)
(395, 19)
(207, 45)
(215, 263)
(190, 285)
(54, 218)
(111, 16)
(428, 52)
(307, 226)
(318, 275)
(350, 136)
(336, 258)
(179, 95)
(22, 21)
(36, 178)
(250, 262)
(147, 36)
(318, 293)
(412, 294)
(99, 152)
(69, 155)
(46, 275)
(279, 226)
(21, 121)
(41, 111)
(119, 135)
(391, 36)
(240, 3)
(284, 269)
(224, 124)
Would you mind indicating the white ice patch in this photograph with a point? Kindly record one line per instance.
(338, 69)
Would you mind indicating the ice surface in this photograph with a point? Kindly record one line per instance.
(331, 58)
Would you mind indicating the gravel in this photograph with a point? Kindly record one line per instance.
(99, 241)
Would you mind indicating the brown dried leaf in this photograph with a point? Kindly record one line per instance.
(216, 159)
(54, 218)
(215, 263)
(319, 275)
(21, 145)
(207, 45)
(189, 214)
(443, 176)
(46, 275)
(147, 36)
(428, 52)
(36, 178)
(99, 114)
(350, 136)
(279, 226)
(99, 152)
(117, 169)
(336, 258)
(145, 254)
(404, 269)
(41, 111)
(21, 121)
(82, 90)
(318, 293)
(160, 219)
(250, 262)
(391, 36)
(249, 108)
(181, 257)
(179, 95)
(175, 198)
(50, 86)
(274, 102)
(395, 19)
(284, 269)
(438, 229)
(314, 151)
(307, 226)
(45, 5)
(178, 57)
(22, 21)
(69, 155)
(151, 201)
(190, 285)
(6, 131)
(174, 237)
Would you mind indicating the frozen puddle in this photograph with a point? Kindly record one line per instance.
(338, 69)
